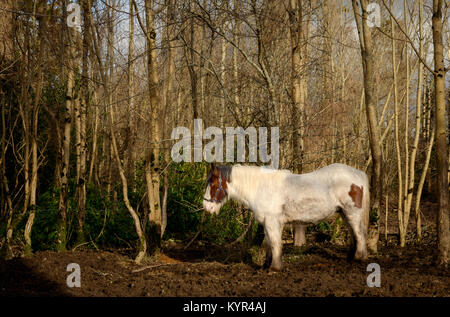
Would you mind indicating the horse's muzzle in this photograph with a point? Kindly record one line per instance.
(211, 206)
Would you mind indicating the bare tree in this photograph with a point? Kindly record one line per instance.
(441, 134)
(365, 38)
(152, 165)
(298, 48)
(33, 127)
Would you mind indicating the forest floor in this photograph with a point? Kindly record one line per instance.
(320, 268)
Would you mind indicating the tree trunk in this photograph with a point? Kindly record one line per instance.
(420, 187)
(441, 137)
(65, 146)
(298, 84)
(81, 126)
(374, 134)
(410, 170)
(397, 138)
(34, 132)
(298, 87)
(5, 250)
(152, 166)
(169, 101)
(129, 159)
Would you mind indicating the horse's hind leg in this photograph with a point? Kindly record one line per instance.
(299, 234)
(353, 218)
(352, 250)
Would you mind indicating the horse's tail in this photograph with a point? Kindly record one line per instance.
(366, 208)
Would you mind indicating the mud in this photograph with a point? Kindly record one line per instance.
(318, 269)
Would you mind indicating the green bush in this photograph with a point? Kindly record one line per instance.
(109, 225)
(43, 234)
(187, 184)
(104, 225)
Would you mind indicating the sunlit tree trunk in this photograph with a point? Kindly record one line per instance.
(298, 87)
(65, 146)
(223, 107)
(84, 101)
(236, 30)
(369, 93)
(298, 81)
(441, 134)
(129, 159)
(420, 186)
(397, 137)
(169, 107)
(95, 104)
(191, 65)
(410, 170)
(152, 166)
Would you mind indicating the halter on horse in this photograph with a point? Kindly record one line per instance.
(220, 189)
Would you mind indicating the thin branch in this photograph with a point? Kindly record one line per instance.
(409, 40)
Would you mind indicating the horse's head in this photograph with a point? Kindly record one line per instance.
(217, 188)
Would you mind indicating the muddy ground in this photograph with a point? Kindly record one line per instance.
(318, 269)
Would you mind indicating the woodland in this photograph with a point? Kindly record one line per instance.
(91, 90)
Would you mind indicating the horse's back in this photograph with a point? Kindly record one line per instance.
(338, 173)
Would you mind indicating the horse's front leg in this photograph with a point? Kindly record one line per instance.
(268, 248)
(273, 230)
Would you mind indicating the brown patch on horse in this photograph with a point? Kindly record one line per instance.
(356, 193)
(225, 174)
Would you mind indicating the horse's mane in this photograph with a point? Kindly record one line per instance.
(250, 172)
(225, 171)
(261, 169)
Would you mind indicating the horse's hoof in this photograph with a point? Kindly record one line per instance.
(274, 269)
(360, 256)
(267, 263)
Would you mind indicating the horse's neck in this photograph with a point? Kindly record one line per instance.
(244, 182)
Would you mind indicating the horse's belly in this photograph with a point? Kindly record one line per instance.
(308, 210)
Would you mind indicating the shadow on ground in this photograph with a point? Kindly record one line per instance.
(19, 277)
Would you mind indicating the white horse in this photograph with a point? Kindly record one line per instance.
(277, 197)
